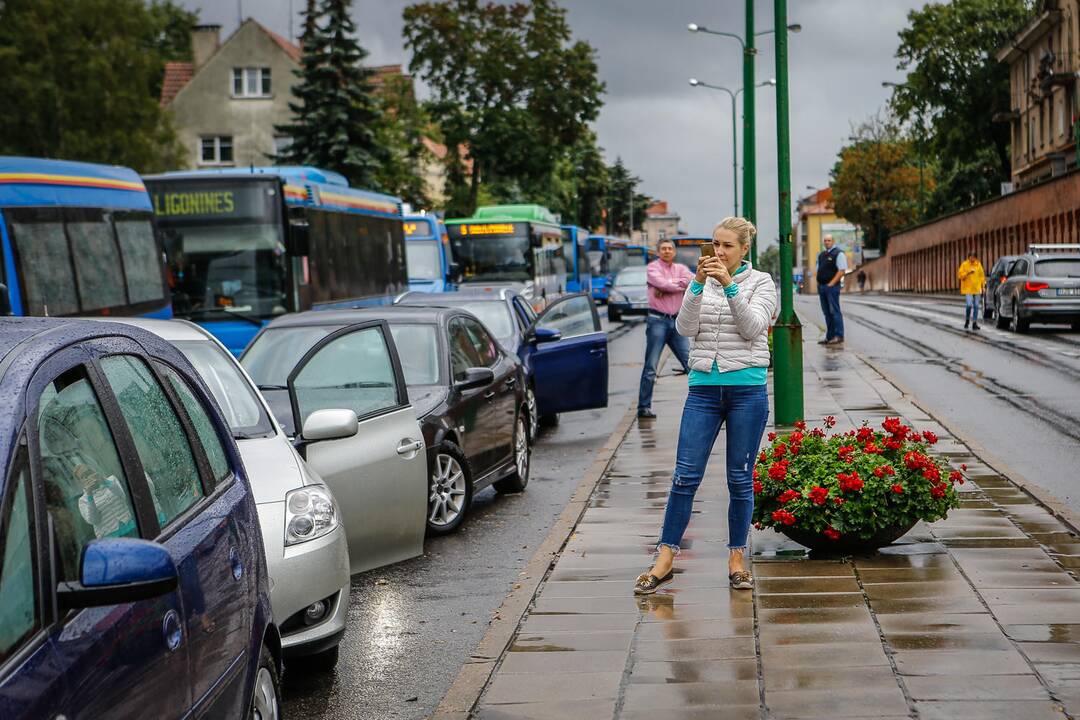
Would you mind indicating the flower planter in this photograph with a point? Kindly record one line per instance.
(847, 544)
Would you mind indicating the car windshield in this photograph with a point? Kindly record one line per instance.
(233, 393)
(276, 352)
(422, 258)
(631, 277)
(494, 314)
(1058, 268)
(418, 348)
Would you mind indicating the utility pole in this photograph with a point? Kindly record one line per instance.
(787, 333)
(749, 135)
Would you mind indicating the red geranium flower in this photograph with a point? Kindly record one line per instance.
(865, 434)
(818, 433)
(830, 421)
(778, 470)
(757, 525)
(818, 495)
(937, 491)
(796, 437)
(758, 487)
(831, 533)
(838, 500)
(955, 476)
(844, 452)
(871, 449)
(894, 427)
(893, 444)
(932, 474)
(772, 436)
(898, 489)
(783, 516)
(787, 496)
(762, 456)
(780, 450)
(929, 437)
(850, 482)
(963, 466)
(800, 425)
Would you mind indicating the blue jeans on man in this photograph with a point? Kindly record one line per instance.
(660, 331)
(745, 410)
(830, 308)
(971, 310)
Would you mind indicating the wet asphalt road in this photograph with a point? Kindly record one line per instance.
(1016, 395)
(412, 625)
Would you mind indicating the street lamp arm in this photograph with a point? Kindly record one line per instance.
(699, 28)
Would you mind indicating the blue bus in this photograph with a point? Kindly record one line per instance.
(427, 253)
(78, 239)
(637, 256)
(579, 276)
(607, 256)
(688, 249)
(245, 245)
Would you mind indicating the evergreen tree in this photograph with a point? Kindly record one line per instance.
(337, 116)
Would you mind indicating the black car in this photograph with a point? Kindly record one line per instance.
(1042, 286)
(994, 280)
(630, 294)
(468, 393)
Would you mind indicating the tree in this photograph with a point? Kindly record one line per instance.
(956, 85)
(875, 183)
(769, 261)
(621, 186)
(336, 115)
(402, 135)
(83, 80)
(508, 85)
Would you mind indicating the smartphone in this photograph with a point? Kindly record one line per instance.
(708, 249)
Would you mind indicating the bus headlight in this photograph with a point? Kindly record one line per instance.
(310, 512)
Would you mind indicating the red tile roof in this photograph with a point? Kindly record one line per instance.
(290, 49)
(177, 75)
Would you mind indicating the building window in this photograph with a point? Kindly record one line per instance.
(216, 150)
(1061, 117)
(251, 82)
(282, 144)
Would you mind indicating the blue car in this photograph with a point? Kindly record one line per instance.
(563, 350)
(133, 582)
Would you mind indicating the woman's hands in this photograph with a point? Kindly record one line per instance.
(711, 267)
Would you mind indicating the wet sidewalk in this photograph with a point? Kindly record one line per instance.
(976, 616)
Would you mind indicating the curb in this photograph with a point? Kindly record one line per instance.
(474, 675)
(1042, 497)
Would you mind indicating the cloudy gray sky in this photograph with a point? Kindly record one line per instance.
(675, 137)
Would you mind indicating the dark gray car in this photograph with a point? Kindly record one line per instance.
(1042, 286)
(994, 281)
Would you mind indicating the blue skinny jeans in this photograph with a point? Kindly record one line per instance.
(971, 309)
(745, 409)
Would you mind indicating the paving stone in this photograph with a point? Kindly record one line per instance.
(728, 712)
(679, 671)
(824, 678)
(829, 703)
(1045, 633)
(948, 641)
(572, 641)
(714, 649)
(692, 694)
(547, 711)
(802, 568)
(819, 633)
(874, 576)
(812, 600)
(990, 710)
(696, 629)
(960, 662)
(802, 616)
(655, 610)
(937, 623)
(597, 661)
(779, 658)
(1036, 613)
(903, 591)
(976, 687)
(537, 623)
(769, 586)
(943, 606)
(541, 687)
(1051, 652)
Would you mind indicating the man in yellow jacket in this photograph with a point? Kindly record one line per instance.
(972, 279)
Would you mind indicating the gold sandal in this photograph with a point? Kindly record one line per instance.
(647, 583)
(741, 580)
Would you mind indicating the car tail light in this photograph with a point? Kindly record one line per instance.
(1002, 280)
(1035, 286)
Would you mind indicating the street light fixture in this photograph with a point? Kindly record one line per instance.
(694, 82)
(746, 42)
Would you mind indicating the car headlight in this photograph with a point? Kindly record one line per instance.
(618, 296)
(310, 512)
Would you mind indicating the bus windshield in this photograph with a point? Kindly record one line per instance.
(617, 259)
(422, 259)
(225, 247)
(493, 257)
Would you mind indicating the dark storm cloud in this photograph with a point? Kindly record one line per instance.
(675, 137)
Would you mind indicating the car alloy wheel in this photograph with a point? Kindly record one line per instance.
(534, 416)
(1018, 324)
(521, 449)
(264, 705)
(446, 498)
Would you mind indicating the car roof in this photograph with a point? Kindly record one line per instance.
(390, 313)
(171, 330)
(453, 298)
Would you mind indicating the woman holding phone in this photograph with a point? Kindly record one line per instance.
(726, 311)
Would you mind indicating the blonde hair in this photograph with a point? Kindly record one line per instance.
(743, 229)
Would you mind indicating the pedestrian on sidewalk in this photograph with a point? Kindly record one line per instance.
(972, 280)
(831, 266)
(726, 311)
(667, 281)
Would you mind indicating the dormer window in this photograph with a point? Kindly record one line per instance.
(251, 82)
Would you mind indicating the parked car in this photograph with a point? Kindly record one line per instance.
(306, 550)
(1042, 286)
(629, 294)
(466, 391)
(994, 280)
(134, 580)
(563, 351)
(338, 390)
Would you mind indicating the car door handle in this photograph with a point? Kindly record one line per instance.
(409, 446)
(598, 351)
(510, 382)
(489, 394)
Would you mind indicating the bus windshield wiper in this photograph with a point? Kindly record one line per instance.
(250, 318)
(271, 387)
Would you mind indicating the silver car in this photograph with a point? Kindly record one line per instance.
(1042, 286)
(306, 549)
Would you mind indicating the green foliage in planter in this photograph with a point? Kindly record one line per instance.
(851, 484)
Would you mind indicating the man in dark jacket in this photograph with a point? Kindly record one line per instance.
(831, 264)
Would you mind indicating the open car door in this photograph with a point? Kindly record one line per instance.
(569, 357)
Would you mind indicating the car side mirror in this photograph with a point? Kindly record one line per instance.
(330, 425)
(475, 377)
(115, 571)
(545, 335)
(299, 233)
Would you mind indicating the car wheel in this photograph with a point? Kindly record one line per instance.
(449, 489)
(613, 315)
(534, 417)
(266, 699)
(522, 451)
(1002, 322)
(1018, 324)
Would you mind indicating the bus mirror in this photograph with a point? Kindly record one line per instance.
(5, 300)
(298, 238)
(453, 270)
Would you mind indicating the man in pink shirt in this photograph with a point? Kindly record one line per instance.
(667, 281)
